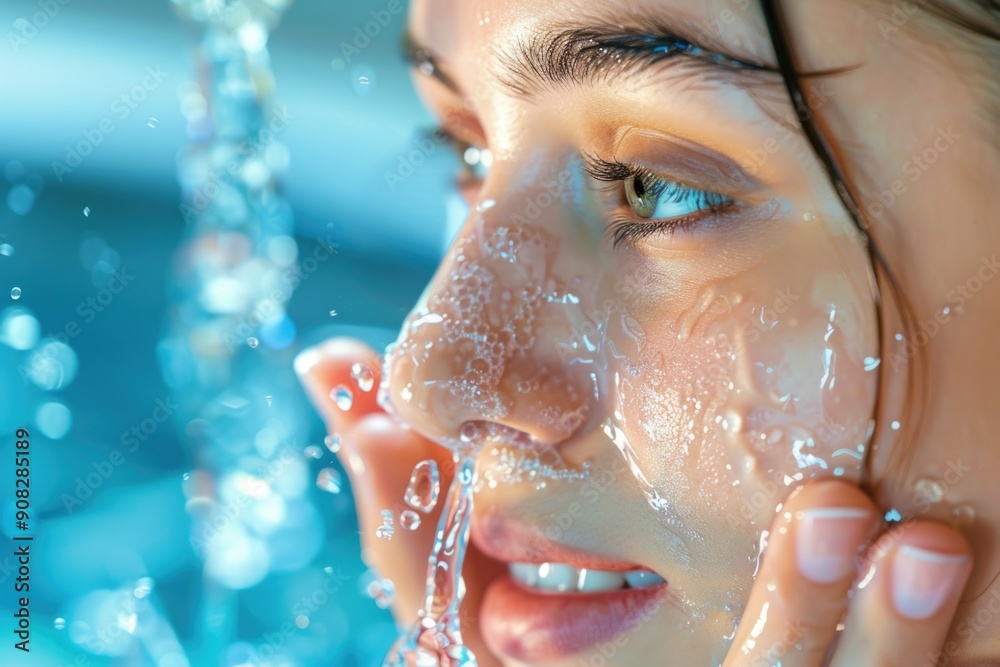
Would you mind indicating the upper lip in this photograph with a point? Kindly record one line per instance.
(514, 542)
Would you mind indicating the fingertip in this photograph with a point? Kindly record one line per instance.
(340, 376)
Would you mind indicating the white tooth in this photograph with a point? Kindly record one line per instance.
(599, 580)
(557, 577)
(525, 574)
(643, 579)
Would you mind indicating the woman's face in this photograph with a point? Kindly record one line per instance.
(657, 313)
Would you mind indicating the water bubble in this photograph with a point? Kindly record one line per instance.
(332, 443)
(964, 515)
(468, 433)
(328, 569)
(386, 530)
(86, 211)
(59, 623)
(425, 486)
(153, 122)
(15, 293)
(342, 396)
(333, 313)
(6, 249)
(929, 489)
(268, 399)
(20, 199)
(252, 342)
(328, 479)
(409, 520)
(363, 376)
(378, 588)
(313, 452)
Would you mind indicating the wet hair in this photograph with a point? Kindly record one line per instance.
(979, 17)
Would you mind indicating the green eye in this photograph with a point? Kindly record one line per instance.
(642, 193)
(650, 196)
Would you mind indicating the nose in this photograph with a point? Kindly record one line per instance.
(499, 335)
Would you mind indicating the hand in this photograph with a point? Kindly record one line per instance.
(908, 585)
(820, 545)
(379, 455)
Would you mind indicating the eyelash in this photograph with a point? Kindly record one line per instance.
(622, 228)
(625, 229)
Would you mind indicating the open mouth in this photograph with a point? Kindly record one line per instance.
(556, 602)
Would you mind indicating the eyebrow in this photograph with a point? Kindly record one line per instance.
(595, 53)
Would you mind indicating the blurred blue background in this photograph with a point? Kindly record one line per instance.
(97, 246)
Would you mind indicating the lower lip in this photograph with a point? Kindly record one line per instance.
(532, 626)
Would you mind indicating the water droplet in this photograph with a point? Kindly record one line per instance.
(363, 376)
(186, 476)
(153, 122)
(386, 530)
(378, 588)
(59, 623)
(252, 342)
(6, 249)
(468, 433)
(332, 443)
(895, 425)
(328, 569)
(899, 336)
(486, 204)
(342, 396)
(328, 479)
(871, 363)
(409, 520)
(313, 452)
(268, 399)
(893, 516)
(809, 216)
(333, 313)
(964, 515)
(929, 489)
(144, 587)
(424, 487)
(86, 211)
(15, 293)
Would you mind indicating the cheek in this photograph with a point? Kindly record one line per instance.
(751, 386)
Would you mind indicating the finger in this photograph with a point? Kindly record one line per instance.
(388, 453)
(800, 594)
(907, 598)
(330, 369)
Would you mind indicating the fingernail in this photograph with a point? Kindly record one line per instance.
(923, 580)
(827, 540)
(307, 359)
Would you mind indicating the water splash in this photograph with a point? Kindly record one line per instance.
(435, 639)
(424, 487)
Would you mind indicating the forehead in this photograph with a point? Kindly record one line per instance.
(465, 35)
